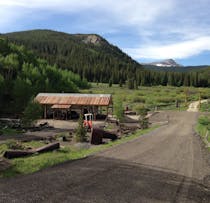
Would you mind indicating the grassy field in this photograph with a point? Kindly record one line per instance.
(203, 128)
(10, 131)
(205, 107)
(157, 97)
(13, 144)
(37, 162)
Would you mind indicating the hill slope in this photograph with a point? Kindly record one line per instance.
(93, 58)
(84, 54)
(22, 75)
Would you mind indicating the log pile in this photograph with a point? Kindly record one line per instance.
(10, 154)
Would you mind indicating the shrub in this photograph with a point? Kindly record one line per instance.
(204, 120)
(143, 120)
(12, 144)
(139, 99)
(118, 109)
(166, 100)
(32, 112)
(81, 133)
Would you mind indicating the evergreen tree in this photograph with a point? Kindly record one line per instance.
(81, 133)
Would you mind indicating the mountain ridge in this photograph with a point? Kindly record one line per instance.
(95, 59)
(80, 53)
(165, 63)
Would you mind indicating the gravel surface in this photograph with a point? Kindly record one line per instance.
(166, 165)
(194, 106)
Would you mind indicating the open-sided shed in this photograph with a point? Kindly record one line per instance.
(82, 103)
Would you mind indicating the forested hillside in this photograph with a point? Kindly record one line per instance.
(175, 69)
(22, 76)
(93, 58)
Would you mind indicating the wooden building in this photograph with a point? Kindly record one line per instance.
(65, 105)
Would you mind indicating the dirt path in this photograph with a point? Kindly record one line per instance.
(166, 165)
(194, 106)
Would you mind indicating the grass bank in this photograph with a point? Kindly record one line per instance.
(203, 129)
(205, 107)
(37, 162)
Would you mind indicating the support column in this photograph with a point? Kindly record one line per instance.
(45, 111)
(107, 108)
(94, 113)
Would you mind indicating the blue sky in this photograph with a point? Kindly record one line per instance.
(147, 30)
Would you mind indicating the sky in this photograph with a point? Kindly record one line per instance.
(147, 30)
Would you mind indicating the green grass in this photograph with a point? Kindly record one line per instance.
(205, 107)
(203, 126)
(10, 131)
(37, 162)
(32, 144)
(162, 97)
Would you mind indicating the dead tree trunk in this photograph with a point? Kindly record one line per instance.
(98, 135)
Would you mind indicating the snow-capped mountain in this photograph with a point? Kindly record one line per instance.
(165, 63)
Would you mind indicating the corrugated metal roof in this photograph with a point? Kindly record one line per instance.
(74, 99)
(60, 106)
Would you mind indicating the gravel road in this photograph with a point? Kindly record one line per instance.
(166, 165)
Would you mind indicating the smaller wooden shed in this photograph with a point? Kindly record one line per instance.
(82, 103)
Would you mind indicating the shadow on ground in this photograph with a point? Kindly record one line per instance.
(100, 179)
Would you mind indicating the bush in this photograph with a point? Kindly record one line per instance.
(141, 110)
(12, 144)
(205, 107)
(32, 112)
(166, 100)
(139, 100)
(204, 120)
(143, 120)
(118, 109)
(81, 133)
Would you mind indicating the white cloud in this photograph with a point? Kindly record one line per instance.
(177, 50)
(121, 12)
(165, 29)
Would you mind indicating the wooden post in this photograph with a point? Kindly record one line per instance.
(94, 113)
(45, 111)
(66, 114)
(107, 108)
(82, 110)
(199, 99)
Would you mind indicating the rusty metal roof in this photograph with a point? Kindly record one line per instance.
(60, 106)
(74, 99)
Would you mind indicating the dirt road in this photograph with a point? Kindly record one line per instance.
(167, 165)
(194, 106)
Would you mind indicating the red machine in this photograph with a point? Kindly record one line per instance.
(88, 121)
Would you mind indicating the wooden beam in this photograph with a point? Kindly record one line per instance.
(45, 111)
